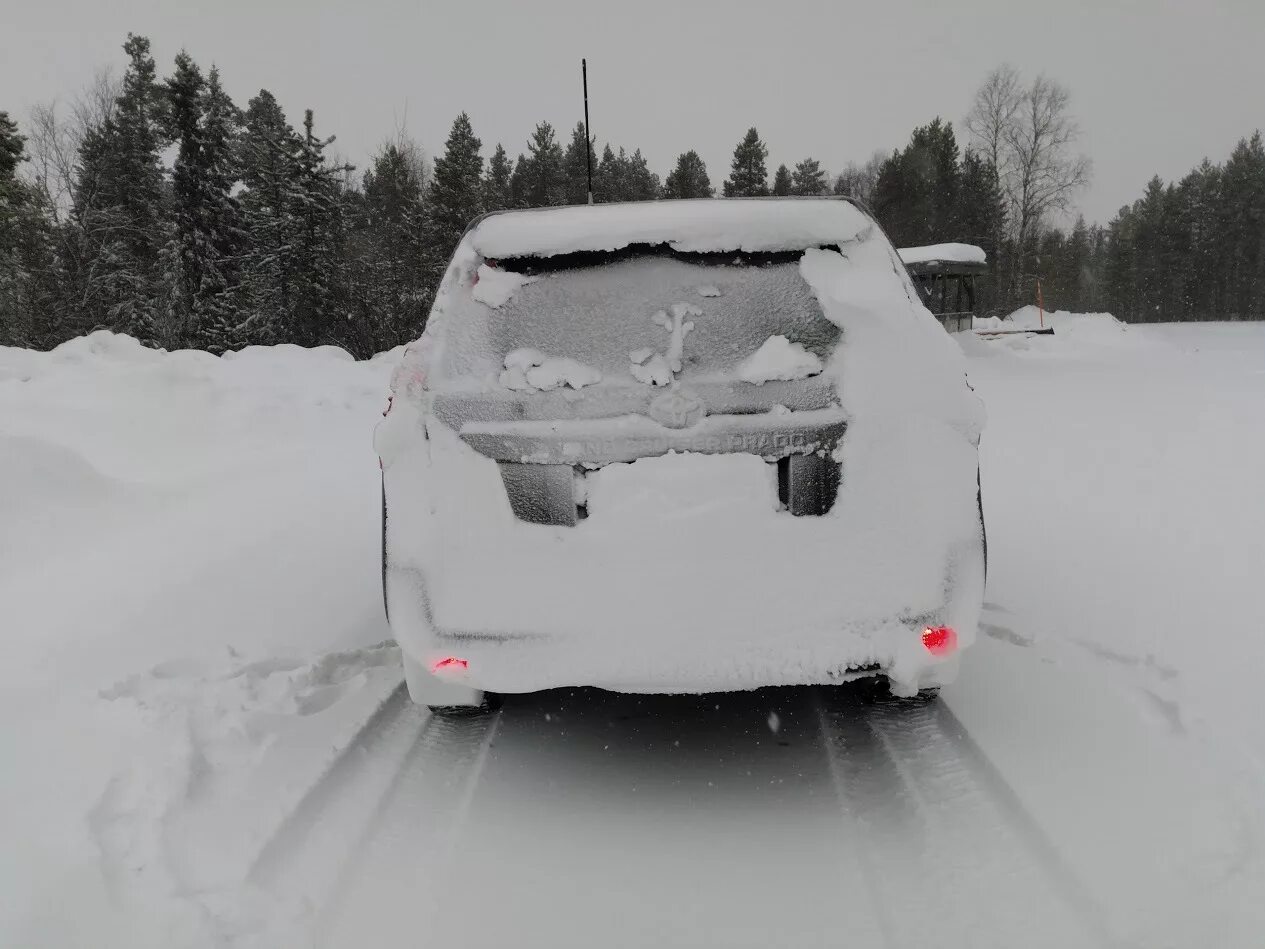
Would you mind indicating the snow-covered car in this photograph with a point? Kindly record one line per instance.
(679, 446)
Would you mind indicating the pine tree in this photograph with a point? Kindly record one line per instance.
(207, 234)
(455, 196)
(576, 162)
(1078, 270)
(518, 182)
(220, 293)
(32, 284)
(1149, 278)
(1119, 267)
(609, 182)
(689, 178)
(782, 181)
(748, 176)
(896, 201)
(16, 322)
(1205, 266)
(1243, 238)
(393, 282)
(268, 158)
(119, 206)
(496, 183)
(314, 207)
(980, 218)
(640, 183)
(542, 178)
(915, 196)
(808, 178)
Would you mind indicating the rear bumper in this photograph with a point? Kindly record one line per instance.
(712, 660)
(685, 577)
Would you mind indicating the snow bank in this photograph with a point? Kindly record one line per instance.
(140, 414)
(943, 253)
(1122, 482)
(701, 225)
(182, 535)
(1080, 333)
(779, 358)
(1102, 325)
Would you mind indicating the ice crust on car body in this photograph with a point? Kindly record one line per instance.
(746, 595)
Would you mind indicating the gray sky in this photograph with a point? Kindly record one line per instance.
(1156, 84)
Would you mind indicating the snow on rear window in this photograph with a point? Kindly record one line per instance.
(599, 314)
(494, 287)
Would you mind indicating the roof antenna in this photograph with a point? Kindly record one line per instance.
(588, 145)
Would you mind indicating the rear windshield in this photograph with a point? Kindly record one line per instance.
(599, 308)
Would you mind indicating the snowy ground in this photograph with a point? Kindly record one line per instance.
(205, 743)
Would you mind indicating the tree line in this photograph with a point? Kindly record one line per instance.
(160, 208)
(1193, 249)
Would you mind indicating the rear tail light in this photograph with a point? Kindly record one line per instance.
(448, 664)
(940, 640)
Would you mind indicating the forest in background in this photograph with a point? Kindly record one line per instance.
(158, 207)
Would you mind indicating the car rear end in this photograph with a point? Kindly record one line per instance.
(622, 459)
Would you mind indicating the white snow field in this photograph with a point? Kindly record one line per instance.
(206, 743)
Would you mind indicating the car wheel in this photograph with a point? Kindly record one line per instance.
(877, 689)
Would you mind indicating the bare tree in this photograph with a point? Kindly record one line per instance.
(1045, 174)
(1029, 136)
(56, 134)
(858, 181)
(994, 112)
(418, 161)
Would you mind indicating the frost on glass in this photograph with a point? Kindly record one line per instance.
(616, 318)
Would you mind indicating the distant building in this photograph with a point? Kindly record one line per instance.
(945, 277)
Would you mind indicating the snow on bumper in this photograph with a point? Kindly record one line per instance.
(685, 576)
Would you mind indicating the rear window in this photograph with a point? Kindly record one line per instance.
(598, 308)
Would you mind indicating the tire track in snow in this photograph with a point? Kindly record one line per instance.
(297, 861)
(949, 849)
(620, 820)
(412, 831)
(934, 847)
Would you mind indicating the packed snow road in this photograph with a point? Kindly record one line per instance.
(770, 818)
(747, 819)
(207, 742)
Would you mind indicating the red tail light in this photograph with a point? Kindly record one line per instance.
(940, 640)
(448, 664)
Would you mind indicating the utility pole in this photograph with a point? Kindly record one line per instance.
(588, 144)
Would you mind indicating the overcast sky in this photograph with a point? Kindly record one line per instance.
(1156, 84)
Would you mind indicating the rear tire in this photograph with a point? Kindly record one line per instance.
(878, 690)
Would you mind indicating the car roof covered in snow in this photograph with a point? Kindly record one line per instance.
(703, 225)
(965, 257)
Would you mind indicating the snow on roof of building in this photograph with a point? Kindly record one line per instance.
(944, 254)
(701, 225)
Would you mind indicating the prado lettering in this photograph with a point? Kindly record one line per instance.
(520, 442)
